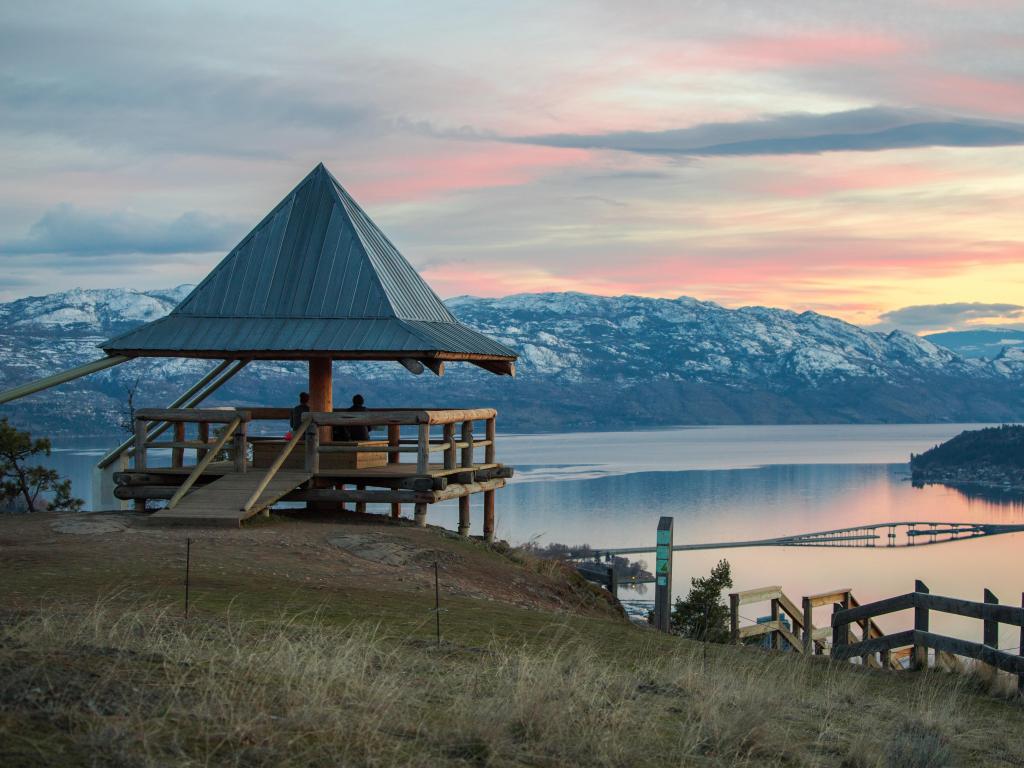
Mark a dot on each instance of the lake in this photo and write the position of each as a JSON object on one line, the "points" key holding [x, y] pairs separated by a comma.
{"points": [[743, 482]]}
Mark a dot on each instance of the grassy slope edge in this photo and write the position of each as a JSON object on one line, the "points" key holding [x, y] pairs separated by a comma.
{"points": [[301, 652]]}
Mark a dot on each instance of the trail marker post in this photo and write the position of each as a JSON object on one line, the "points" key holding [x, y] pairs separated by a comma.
{"points": [[663, 576]]}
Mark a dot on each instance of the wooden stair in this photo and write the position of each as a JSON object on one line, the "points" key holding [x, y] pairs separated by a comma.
{"points": [[220, 503]]}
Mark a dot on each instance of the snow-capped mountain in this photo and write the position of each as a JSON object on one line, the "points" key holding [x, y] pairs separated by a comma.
{"points": [[586, 362]]}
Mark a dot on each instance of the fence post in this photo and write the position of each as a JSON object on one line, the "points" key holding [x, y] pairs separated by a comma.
{"points": [[423, 449], [613, 581], [140, 443], [808, 629], [840, 632], [467, 438], [490, 452], [178, 454], [734, 618], [464, 515], [1020, 652], [312, 450], [394, 435], [990, 631], [449, 451], [776, 635], [204, 437], [663, 576], [241, 447], [919, 659]]}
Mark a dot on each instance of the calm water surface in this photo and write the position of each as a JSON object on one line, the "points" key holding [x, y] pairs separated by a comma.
{"points": [[727, 483]]}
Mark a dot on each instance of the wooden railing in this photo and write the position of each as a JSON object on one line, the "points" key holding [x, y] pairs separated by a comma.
{"points": [[802, 637], [421, 434], [920, 638], [145, 440]]}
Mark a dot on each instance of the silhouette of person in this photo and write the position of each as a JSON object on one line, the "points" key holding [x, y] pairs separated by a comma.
{"points": [[299, 410], [354, 432]]}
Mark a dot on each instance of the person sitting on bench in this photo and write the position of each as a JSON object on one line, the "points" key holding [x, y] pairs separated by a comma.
{"points": [[354, 432]]}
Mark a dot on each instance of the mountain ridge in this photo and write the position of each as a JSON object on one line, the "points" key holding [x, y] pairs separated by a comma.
{"points": [[587, 362]]}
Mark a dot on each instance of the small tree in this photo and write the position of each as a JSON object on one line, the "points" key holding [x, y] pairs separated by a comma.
{"points": [[22, 484], [703, 614]]}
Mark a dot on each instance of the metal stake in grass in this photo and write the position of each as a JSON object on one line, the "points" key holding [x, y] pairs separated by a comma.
{"points": [[437, 602], [188, 568]]}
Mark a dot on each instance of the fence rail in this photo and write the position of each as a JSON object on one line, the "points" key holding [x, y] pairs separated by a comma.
{"points": [[921, 639]]}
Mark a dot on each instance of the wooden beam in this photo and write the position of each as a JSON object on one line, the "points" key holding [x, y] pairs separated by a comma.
{"points": [[491, 433], [177, 453], [423, 449], [758, 595], [62, 378], [212, 415], [321, 390], [920, 658], [394, 436], [464, 515], [489, 514], [272, 470]]}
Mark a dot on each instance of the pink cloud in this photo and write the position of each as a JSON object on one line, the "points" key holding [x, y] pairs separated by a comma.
{"points": [[784, 51], [454, 167], [967, 92]]}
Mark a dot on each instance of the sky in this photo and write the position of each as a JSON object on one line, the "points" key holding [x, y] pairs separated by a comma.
{"points": [[860, 159]]}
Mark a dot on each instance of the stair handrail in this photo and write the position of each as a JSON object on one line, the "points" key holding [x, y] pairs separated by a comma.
{"points": [[272, 470], [226, 435]]}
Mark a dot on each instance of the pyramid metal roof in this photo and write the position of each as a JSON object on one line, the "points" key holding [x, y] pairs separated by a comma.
{"points": [[316, 277]]}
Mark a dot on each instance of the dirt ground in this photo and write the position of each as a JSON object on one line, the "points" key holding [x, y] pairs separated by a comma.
{"points": [[355, 566]]}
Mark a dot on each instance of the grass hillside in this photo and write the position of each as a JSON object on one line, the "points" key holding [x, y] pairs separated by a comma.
{"points": [[313, 643]]}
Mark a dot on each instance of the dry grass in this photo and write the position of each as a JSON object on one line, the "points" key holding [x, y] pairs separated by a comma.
{"points": [[140, 687]]}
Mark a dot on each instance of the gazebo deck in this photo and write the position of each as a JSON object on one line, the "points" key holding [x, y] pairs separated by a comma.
{"points": [[218, 491]]}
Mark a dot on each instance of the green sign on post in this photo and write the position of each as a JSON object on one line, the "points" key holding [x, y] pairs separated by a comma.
{"points": [[663, 576]]}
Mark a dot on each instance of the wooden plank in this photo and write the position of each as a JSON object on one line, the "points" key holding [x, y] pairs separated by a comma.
{"points": [[1003, 614], [759, 595], [212, 415], [879, 608], [368, 418], [177, 444], [1008, 662], [467, 414], [887, 642], [755, 630], [221, 441], [221, 501], [459, 490], [828, 598], [275, 467]]}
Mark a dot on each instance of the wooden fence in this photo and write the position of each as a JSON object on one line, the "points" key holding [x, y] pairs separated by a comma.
{"points": [[801, 636], [920, 639]]}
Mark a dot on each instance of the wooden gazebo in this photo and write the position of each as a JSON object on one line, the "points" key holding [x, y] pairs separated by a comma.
{"points": [[315, 280]]}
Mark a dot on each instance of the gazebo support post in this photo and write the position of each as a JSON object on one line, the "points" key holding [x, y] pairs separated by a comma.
{"points": [[420, 515], [489, 516], [464, 515], [321, 400]]}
